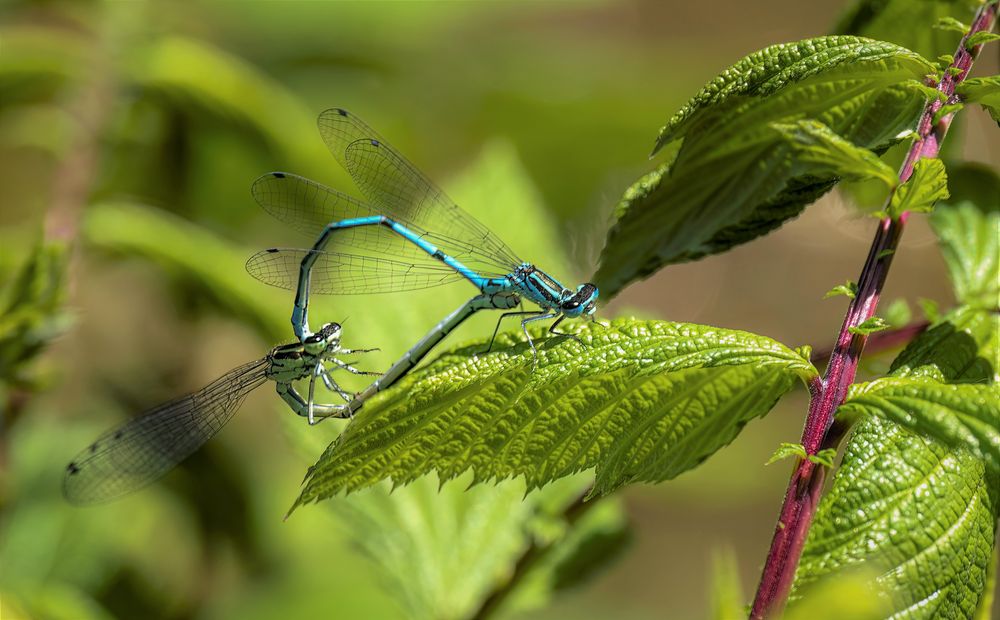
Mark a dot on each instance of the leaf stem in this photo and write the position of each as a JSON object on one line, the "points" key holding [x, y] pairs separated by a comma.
{"points": [[534, 553], [802, 495]]}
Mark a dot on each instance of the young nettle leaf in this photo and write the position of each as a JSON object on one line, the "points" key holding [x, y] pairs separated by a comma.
{"points": [[970, 243], [869, 326], [786, 450], [952, 24], [776, 67], [848, 289], [814, 143], [980, 38], [927, 185], [966, 416], [824, 457], [945, 110], [637, 400], [736, 178], [985, 91]]}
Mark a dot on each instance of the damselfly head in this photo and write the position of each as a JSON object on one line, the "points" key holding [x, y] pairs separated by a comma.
{"points": [[582, 303], [328, 336]]}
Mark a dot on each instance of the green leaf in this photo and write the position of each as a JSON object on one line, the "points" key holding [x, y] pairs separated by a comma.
{"points": [[929, 308], [824, 457], [31, 310], [919, 513], [980, 38], [638, 400], [869, 326], [774, 68], [927, 185], [727, 599], [906, 23], [847, 595], [970, 242], [898, 314], [230, 89], [985, 91], [442, 547], [187, 250], [786, 450], [952, 24], [963, 347], [736, 178], [945, 110], [848, 289], [965, 416], [814, 143]]}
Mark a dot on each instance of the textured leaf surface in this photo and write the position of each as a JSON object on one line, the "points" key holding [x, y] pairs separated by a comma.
{"points": [[736, 178], [920, 513], [955, 415], [970, 242], [773, 68], [638, 401]]}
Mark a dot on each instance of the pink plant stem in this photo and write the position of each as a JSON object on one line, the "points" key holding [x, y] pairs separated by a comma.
{"points": [[802, 495]]}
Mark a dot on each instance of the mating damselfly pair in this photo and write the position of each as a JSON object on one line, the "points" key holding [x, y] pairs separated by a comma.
{"points": [[409, 236]]}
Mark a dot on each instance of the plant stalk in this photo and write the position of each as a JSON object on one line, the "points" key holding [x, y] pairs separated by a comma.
{"points": [[802, 495]]}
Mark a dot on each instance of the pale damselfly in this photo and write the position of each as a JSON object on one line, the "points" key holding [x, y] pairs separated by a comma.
{"points": [[146, 447]]}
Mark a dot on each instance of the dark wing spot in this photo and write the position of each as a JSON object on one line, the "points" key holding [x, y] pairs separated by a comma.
{"points": [[72, 468], [93, 447], [271, 250], [278, 175], [341, 112], [375, 143], [119, 434]]}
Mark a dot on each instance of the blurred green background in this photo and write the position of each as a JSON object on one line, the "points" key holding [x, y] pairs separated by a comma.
{"points": [[132, 132]]}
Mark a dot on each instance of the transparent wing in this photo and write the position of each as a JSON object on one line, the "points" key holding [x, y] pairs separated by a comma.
{"points": [[347, 274], [395, 185], [138, 452], [308, 207]]}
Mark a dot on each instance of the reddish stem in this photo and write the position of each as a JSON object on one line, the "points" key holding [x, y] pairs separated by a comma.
{"points": [[804, 488]]}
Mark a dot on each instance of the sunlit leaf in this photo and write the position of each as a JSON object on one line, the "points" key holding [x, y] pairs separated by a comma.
{"points": [[638, 400], [848, 289], [970, 242], [735, 178], [919, 513], [962, 416], [776, 67], [786, 450]]}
